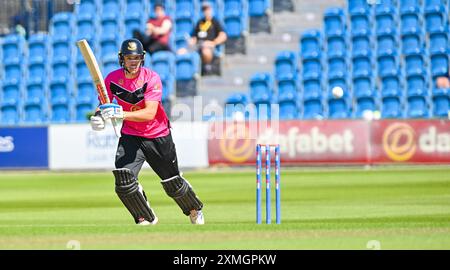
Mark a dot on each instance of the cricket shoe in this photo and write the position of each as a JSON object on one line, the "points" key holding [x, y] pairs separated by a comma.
{"points": [[197, 217], [144, 222]]}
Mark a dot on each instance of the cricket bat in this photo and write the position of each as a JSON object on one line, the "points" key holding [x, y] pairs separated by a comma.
{"points": [[97, 78]]}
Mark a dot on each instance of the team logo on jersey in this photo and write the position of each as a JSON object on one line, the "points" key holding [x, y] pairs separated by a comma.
{"points": [[120, 81], [132, 46]]}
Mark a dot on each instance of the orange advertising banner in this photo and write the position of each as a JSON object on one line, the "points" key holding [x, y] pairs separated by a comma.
{"points": [[332, 142]]}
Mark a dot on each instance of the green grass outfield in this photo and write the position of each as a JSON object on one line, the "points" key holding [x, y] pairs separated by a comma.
{"points": [[401, 208]]}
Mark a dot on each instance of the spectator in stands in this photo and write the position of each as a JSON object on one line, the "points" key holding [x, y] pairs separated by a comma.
{"points": [[443, 82], [207, 35], [157, 33]]}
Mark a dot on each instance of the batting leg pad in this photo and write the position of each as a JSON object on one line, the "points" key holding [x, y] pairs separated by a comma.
{"points": [[181, 191], [132, 195]]}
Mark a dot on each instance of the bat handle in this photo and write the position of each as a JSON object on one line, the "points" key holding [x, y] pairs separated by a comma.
{"points": [[116, 130]]}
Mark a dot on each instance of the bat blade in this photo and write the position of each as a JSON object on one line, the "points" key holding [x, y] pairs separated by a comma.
{"points": [[97, 77]]}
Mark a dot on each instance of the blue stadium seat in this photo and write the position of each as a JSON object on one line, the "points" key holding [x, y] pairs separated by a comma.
{"points": [[418, 106], [313, 109], [388, 64], [82, 70], [13, 48], [441, 102], [13, 70], [410, 20], [86, 92], [363, 86], [312, 67], [362, 65], [439, 64], [109, 46], [12, 91], [110, 64], [439, 41], [137, 7], [334, 19], [38, 45], [9, 114], [285, 63], [261, 88], [386, 20], [381, 4], [163, 63], [83, 110], [417, 82], [434, 3], [133, 21], [412, 42], [168, 85], [361, 45], [287, 87], [111, 5], [311, 43], [37, 70], [187, 66], [184, 24], [392, 107], [86, 26], [181, 41], [365, 104], [86, 7], [355, 6], [61, 111], [414, 62], [35, 113], [407, 5], [235, 6], [60, 90], [360, 22], [391, 85], [436, 18], [62, 49], [288, 110], [111, 26], [235, 25], [62, 24], [258, 8], [337, 67], [61, 68], [235, 106], [187, 71], [387, 44], [186, 8], [312, 89], [336, 46], [338, 108], [36, 90], [341, 81]]}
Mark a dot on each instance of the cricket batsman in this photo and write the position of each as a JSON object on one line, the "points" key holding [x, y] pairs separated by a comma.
{"points": [[145, 136]]}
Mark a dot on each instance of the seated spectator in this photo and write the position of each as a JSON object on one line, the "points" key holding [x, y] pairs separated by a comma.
{"points": [[443, 82], [208, 33], [157, 33]]}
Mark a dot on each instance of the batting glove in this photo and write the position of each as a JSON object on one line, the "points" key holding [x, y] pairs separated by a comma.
{"points": [[97, 122], [111, 110]]}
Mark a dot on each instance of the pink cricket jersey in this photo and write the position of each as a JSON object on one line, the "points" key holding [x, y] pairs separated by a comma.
{"points": [[131, 94]]}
